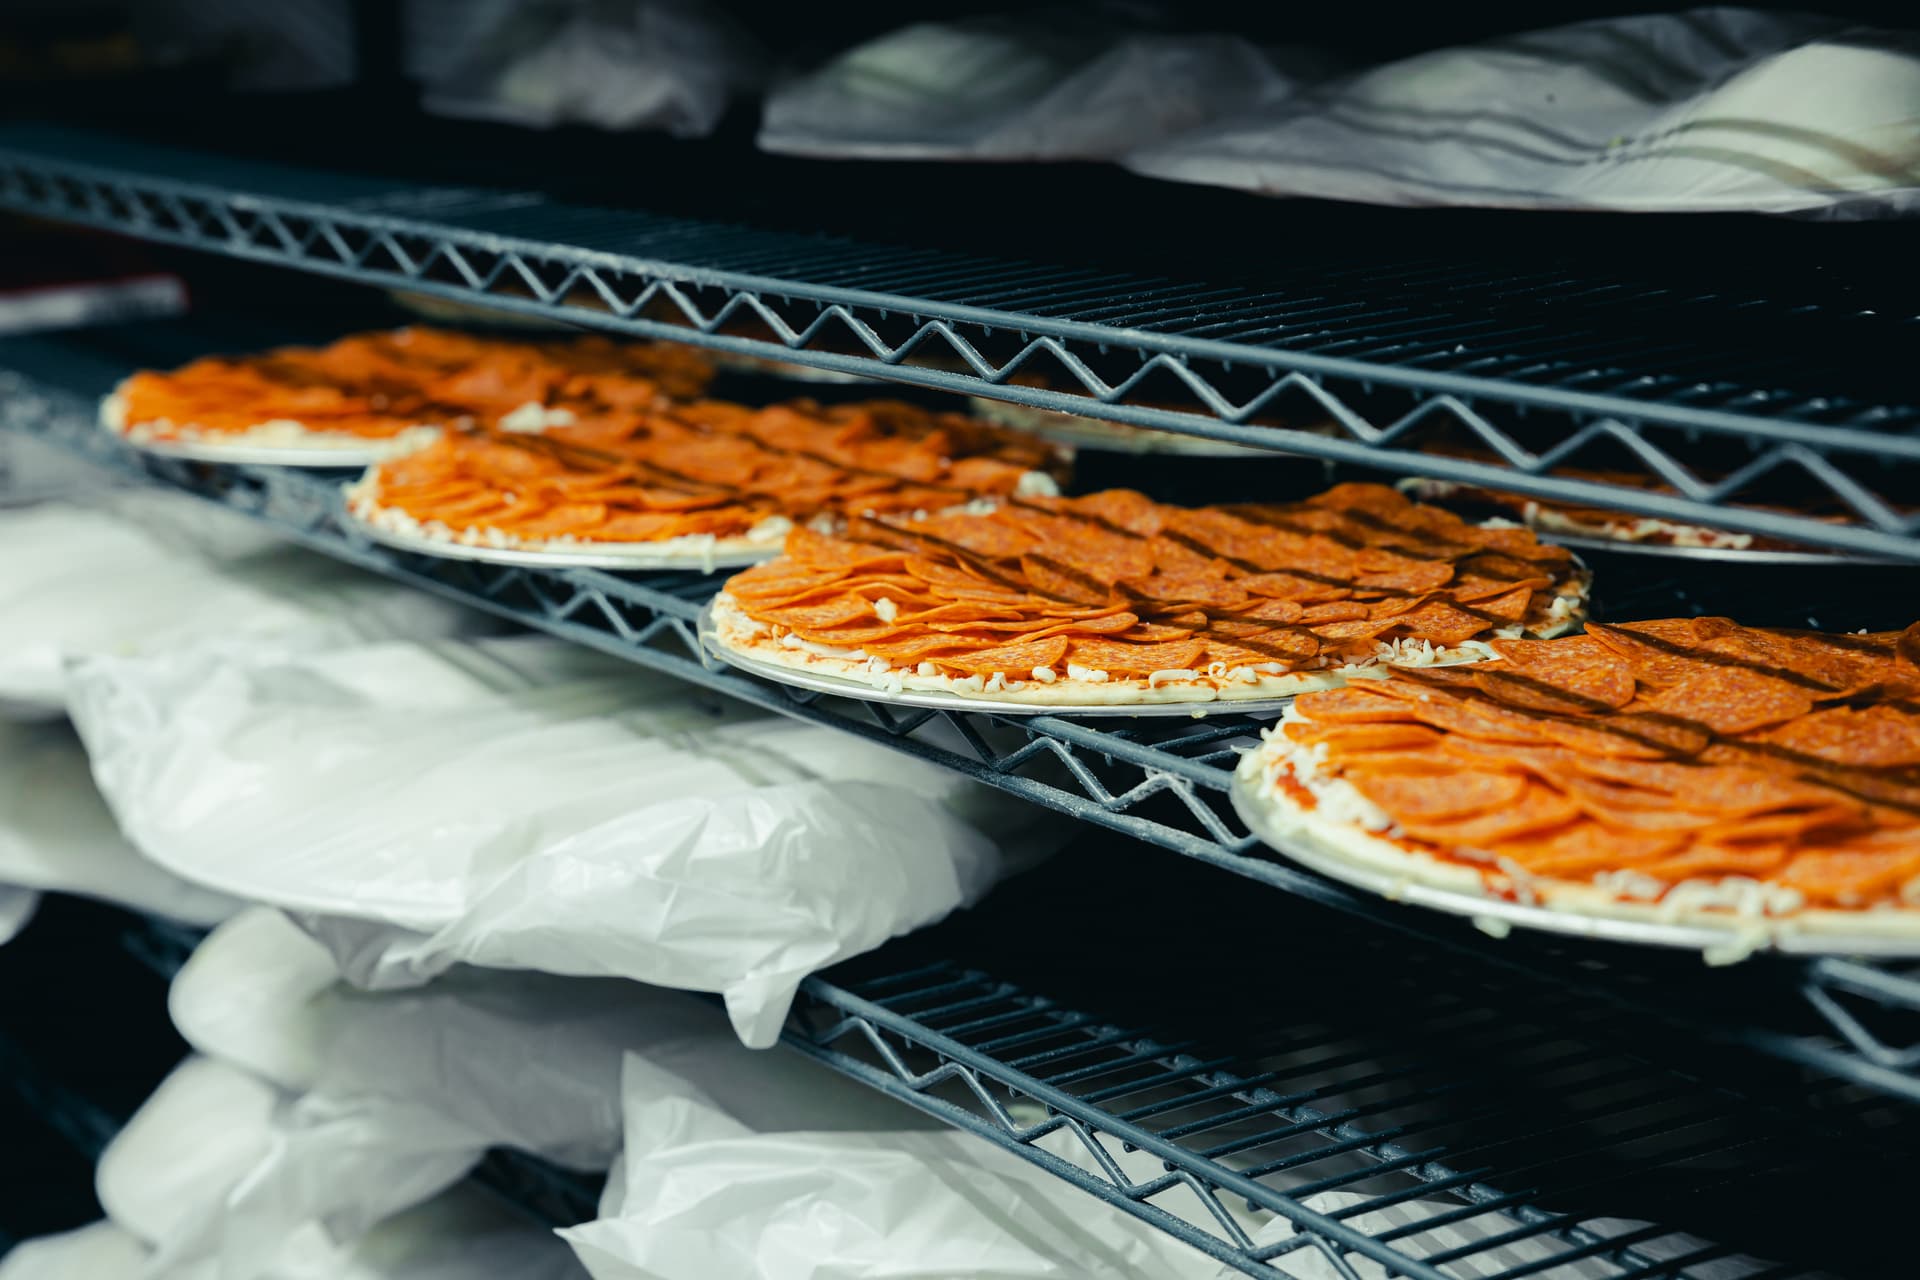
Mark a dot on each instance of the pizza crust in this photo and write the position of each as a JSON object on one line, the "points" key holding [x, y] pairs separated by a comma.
{"points": [[762, 542], [736, 632], [1099, 433], [1546, 518], [1343, 829], [770, 367], [278, 433]]}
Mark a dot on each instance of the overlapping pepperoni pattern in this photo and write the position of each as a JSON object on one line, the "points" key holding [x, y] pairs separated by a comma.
{"points": [[705, 468], [1114, 582], [377, 385], [1677, 750]]}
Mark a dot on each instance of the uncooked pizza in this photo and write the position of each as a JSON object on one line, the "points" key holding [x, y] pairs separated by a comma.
{"points": [[708, 477], [1687, 771], [391, 390], [1114, 599], [1588, 525]]}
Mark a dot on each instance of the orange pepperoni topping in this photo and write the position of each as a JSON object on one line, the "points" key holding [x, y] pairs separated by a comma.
{"points": [[1138, 588], [1677, 749]]}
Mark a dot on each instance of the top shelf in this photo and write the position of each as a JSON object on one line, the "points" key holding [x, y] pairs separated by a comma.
{"points": [[1721, 394]]}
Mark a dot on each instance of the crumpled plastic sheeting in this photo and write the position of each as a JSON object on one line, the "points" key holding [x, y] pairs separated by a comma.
{"points": [[97, 1251], [17, 908], [184, 1169], [672, 65], [1047, 86], [527, 1059], [703, 1191], [519, 803], [1710, 109], [702, 1195], [385, 1098], [56, 833], [33, 469], [123, 572]]}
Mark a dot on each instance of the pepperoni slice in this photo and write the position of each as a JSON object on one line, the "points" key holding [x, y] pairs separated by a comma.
{"points": [[1442, 623], [1347, 740], [1580, 849], [1732, 701], [1536, 808], [1440, 796], [1872, 737], [1016, 660], [1356, 703], [1530, 693], [1122, 659]]}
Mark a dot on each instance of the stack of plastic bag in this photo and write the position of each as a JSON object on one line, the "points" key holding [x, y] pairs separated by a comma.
{"points": [[17, 909], [1709, 109], [194, 1146], [704, 1190], [138, 570], [521, 803], [1068, 84], [321, 1128], [32, 470], [57, 836], [671, 65], [130, 570]]}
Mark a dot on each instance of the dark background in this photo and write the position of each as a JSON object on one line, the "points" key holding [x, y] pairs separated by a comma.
{"points": [[80, 1012]]}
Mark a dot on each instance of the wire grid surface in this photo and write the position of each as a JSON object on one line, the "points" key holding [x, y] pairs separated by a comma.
{"points": [[1164, 784], [1535, 371], [1413, 1117]]}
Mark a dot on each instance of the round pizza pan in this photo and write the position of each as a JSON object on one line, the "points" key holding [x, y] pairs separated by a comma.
{"points": [[942, 701], [1733, 939], [1721, 555], [1111, 437], [622, 556], [330, 457]]}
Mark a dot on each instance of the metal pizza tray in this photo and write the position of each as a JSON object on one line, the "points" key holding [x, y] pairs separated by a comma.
{"points": [[941, 701], [1318, 856], [624, 556]]}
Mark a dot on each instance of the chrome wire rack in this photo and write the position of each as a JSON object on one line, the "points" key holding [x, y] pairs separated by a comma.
{"points": [[1418, 1116], [1678, 403], [1164, 783]]}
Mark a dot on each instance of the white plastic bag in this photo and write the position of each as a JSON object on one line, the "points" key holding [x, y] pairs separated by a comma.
{"points": [[388, 1098], [31, 469], [143, 571], [1055, 85], [17, 908], [186, 1146], [521, 804], [617, 64], [56, 833], [97, 1251], [181, 1185], [704, 1195], [1710, 109], [529, 1059]]}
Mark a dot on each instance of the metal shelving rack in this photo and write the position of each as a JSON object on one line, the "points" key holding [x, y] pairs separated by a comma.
{"points": [[1161, 782], [1540, 370], [1058, 1079], [1468, 1126]]}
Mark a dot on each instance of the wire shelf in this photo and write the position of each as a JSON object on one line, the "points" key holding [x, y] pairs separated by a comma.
{"points": [[1420, 1118], [1366, 363], [1162, 783], [1417, 1116]]}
